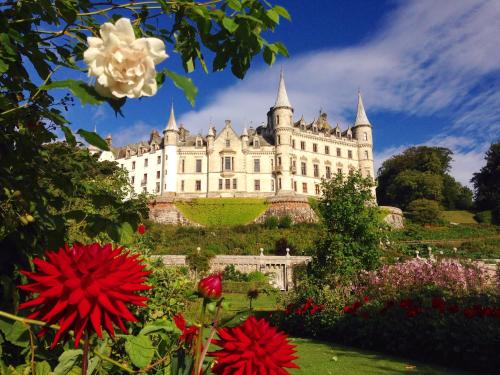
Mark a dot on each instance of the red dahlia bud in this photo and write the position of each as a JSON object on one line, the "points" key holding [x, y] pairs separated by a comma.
{"points": [[141, 229], [211, 286]]}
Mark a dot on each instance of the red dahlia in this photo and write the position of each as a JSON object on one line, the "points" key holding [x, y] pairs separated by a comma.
{"points": [[253, 348], [85, 288], [211, 286], [141, 229], [188, 334]]}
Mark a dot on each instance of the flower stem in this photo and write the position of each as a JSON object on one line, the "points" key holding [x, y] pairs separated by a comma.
{"points": [[197, 364], [85, 355]]}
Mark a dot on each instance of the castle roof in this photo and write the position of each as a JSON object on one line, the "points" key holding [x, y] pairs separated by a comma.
{"points": [[282, 97], [172, 124], [361, 118]]}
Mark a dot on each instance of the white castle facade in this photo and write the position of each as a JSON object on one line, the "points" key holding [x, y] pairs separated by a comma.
{"points": [[284, 157]]}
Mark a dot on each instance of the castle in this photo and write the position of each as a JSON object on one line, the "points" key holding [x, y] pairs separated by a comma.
{"points": [[283, 157]]}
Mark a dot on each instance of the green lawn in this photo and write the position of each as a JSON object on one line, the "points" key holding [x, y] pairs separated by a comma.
{"points": [[222, 211], [316, 357], [460, 217]]}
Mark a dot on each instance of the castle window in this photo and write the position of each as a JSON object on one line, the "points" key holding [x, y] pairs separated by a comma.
{"points": [[272, 164], [256, 165], [315, 147], [272, 185], [228, 163], [182, 185], [366, 154], [183, 165], [303, 169], [157, 174], [157, 187], [256, 142], [228, 143], [256, 185], [132, 180], [339, 153], [327, 150], [328, 172], [302, 145], [235, 183], [146, 162], [220, 183], [304, 187], [316, 189], [198, 185], [198, 143], [133, 165], [158, 160], [279, 183], [198, 165], [279, 160], [228, 183], [339, 170], [144, 179], [277, 120], [349, 154], [279, 140], [293, 143], [316, 170], [365, 136], [295, 186]]}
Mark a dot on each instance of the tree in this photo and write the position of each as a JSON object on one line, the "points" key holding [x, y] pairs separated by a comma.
{"points": [[421, 173], [351, 229], [40, 39], [424, 211], [487, 183]]}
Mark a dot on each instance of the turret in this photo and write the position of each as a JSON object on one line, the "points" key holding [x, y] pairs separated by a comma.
{"points": [[210, 138], [280, 119], [362, 132], [171, 134], [244, 139]]}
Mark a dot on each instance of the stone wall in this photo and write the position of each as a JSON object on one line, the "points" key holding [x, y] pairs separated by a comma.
{"points": [[162, 210], [297, 208]]}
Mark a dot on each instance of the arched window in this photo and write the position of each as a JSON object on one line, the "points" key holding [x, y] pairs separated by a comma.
{"points": [[366, 155], [365, 136]]}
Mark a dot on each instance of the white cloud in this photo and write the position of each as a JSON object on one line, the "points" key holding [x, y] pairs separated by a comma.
{"points": [[428, 58], [130, 134]]}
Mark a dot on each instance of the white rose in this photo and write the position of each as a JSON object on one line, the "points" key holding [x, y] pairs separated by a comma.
{"points": [[123, 65]]}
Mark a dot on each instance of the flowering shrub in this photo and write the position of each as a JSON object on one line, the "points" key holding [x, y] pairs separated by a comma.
{"points": [[449, 276]]}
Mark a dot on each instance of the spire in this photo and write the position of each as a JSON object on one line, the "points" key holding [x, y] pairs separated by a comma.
{"points": [[172, 124], [361, 118], [282, 98], [245, 132]]}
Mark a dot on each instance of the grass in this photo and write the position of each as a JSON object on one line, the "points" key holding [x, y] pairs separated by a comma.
{"points": [[460, 217], [316, 357], [222, 211]]}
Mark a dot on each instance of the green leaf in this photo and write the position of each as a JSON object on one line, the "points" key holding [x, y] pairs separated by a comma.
{"points": [[269, 56], [70, 138], [229, 24], [3, 66], [234, 4], [66, 361], [67, 10], [185, 84], [87, 94], [18, 334], [126, 233], [273, 15], [94, 139], [42, 368], [282, 12], [236, 319], [156, 326], [140, 350]]}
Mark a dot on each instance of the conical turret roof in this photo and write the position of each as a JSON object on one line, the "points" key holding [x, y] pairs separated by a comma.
{"points": [[361, 118], [282, 97], [172, 124]]}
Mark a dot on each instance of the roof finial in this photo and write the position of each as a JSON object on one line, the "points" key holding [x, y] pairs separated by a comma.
{"points": [[361, 118], [282, 98], [172, 124]]}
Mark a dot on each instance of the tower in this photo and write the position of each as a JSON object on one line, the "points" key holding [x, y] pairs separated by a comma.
{"points": [[280, 120], [170, 139], [362, 132]]}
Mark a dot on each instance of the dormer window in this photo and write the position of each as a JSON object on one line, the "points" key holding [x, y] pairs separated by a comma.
{"points": [[228, 142], [256, 142], [199, 142]]}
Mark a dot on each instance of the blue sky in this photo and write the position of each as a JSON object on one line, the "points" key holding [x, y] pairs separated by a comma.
{"points": [[429, 72]]}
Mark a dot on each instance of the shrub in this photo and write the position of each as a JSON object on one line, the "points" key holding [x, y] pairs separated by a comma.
{"points": [[242, 287], [285, 221], [258, 277], [232, 274], [281, 245], [199, 261], [484, 217], [424, 211], [271, 222]]}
